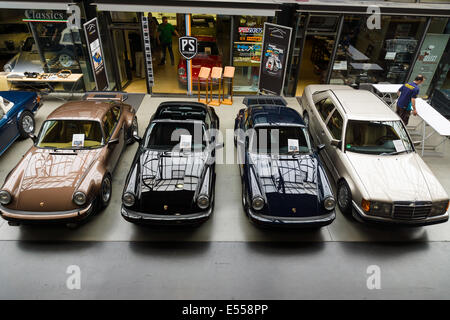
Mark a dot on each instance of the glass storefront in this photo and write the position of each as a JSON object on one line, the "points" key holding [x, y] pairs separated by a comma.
{"points": [[433, 61], [39, 41], [382, 55], [247, 47]]}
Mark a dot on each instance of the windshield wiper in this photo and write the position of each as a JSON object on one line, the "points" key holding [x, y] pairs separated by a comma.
{"points": [[392, 153]]}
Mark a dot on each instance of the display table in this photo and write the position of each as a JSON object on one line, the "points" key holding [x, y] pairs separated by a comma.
{"points": [[434, 119], [356, 54], [387, 91], [73, 79]]}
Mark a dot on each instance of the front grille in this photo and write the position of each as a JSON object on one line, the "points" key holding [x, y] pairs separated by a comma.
{"points": [[411, 210]]}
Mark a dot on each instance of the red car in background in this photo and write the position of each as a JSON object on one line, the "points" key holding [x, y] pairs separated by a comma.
{"points": [[208, 56]]}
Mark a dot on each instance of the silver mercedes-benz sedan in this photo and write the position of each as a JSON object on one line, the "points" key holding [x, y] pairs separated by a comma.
{"points": [[372, 158]]}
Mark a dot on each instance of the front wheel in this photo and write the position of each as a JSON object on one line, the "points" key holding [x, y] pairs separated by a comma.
{"points": [[134, 130], [26, 124], [105, 191], [344, 197]]}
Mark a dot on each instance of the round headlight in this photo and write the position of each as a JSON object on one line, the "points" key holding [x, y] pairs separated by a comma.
{"points": [[258, 203], [7, 68], [128, 199], [79, 198], [5, 197], [203, 201], [329, 203], [181, 71]]}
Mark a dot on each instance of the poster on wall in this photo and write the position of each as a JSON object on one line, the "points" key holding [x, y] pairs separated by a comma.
{"points": [[96, 53], [276, 43], [429, 57]]}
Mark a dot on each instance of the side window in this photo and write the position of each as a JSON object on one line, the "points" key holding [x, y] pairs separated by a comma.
{"points": [[325, 107], [2, 113], [109, 122], [335, 125], [116, 112], [208, 120]]}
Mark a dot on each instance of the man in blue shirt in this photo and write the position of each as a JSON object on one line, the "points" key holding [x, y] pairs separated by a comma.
{"points": [[407, 98]]}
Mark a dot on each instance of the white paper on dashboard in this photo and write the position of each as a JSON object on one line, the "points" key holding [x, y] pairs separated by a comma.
{"points": [[78, 140], [293, 145], [399, 146], [390, 55], [185, 141]]}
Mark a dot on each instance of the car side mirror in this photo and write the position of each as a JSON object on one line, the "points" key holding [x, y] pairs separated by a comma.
{"points": [[320, 147], [32, 137], [113, 142], [336, 143], [220, 145], [417, 143], [137, 138]]}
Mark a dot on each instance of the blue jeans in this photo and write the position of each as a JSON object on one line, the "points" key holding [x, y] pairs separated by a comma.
{"points": [[169, 47]]}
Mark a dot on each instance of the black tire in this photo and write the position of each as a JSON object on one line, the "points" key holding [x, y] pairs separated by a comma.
{"points": [[344, 197], [134, 127], [104, 196], [26, 124]]}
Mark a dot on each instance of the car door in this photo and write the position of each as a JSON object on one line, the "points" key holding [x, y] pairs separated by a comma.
{"points": [[8, 125], [323, 107], [114, 136], [335, 131]]}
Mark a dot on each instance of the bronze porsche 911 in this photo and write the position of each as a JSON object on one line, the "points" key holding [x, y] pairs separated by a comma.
{"points": [[66, 174]]}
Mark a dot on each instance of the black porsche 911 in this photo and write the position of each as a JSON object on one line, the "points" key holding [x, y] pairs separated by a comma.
{"points": [[172, 177], [283, 181]]}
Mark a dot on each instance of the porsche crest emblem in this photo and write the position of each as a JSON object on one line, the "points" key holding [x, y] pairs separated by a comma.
{"points": [[166, 207], [294, 210], [42, 204]]}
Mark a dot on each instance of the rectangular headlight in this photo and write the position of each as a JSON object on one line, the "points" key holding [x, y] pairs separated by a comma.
{"points": [[381, 209], [439, 208]]}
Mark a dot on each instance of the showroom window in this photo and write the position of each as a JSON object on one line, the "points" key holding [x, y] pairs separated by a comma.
{"points": [[433, 61], [247, 47], [382, 55], [37, 41]]}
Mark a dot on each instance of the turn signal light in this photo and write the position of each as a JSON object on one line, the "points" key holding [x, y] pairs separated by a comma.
{"points": [[365, 205]]}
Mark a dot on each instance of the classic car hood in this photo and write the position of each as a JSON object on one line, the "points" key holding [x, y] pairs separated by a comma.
{"points": [[392, 178], [289, 184], [50, 178], [170, 179], [28, 62], [204, 61]]}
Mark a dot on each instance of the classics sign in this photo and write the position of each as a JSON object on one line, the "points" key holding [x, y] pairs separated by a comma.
{"points": [[188, 47]]}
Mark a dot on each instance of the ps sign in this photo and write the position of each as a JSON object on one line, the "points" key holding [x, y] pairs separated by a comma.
{"points": [[188, 47]]}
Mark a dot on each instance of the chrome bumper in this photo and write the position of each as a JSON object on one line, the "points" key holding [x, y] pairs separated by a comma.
{"points": [[19, 215], [315, 221], [418, 222], [148, 218]]}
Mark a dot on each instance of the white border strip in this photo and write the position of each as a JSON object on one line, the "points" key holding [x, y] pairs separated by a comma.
{"points": [[173, 9], [33, 5]]}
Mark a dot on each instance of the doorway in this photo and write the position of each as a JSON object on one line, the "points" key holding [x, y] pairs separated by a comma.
{"points": [[127, 44], [316, 54]]}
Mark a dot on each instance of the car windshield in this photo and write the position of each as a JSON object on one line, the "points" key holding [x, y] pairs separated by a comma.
{"points": [[377, 137], [68, 134], [176, 136], [281, 140]]}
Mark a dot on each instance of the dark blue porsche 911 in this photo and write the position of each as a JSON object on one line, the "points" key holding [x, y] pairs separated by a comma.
{"points": [[17, 110], [283, 180]]}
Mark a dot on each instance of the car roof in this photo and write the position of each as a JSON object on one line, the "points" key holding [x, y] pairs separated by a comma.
{"points": [[363, 105], [181, 110], [88, 110], [271, 114]]}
